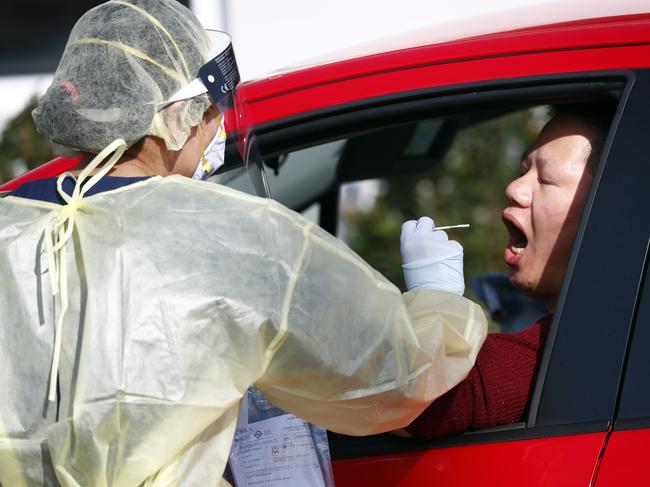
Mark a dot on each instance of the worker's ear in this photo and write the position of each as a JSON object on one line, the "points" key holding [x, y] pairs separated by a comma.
{"points": [[174, 123]]}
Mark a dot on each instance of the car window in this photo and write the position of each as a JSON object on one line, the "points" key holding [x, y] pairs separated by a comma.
{"points": [[370, 166], [296, 179], [452, 168], [455, 170]]}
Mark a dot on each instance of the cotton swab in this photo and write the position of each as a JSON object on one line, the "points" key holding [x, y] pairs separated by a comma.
{"points": [[463, 225]]}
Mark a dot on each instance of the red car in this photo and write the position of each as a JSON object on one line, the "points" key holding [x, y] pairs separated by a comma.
{"points": [[383, 115]]}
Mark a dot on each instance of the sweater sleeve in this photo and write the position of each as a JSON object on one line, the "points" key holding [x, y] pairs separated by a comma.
{"points": [[495, 391]]}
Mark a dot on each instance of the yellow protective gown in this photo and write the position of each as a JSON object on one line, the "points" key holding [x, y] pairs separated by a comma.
{"points": [[180, 294]]}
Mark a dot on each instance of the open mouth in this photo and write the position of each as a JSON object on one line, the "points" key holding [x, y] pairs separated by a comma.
{"points": [[518, 240]]}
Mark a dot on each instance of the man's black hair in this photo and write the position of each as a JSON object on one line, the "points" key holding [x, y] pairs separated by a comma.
{"points": [[597, 115]]}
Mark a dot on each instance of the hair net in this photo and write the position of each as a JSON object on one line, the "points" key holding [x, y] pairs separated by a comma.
{"points": [[122, 59]]}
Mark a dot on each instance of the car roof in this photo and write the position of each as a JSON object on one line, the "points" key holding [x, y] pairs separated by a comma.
{"points": [[587, 35], [457, 23], [584, 33]]}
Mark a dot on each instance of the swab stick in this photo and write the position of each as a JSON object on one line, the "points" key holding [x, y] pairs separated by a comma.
{"points": [[462, 225]]}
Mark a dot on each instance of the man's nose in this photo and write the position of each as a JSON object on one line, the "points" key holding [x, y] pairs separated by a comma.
{"points": [[519, 192]]}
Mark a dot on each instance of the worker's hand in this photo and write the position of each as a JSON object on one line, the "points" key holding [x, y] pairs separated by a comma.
{"points": [[429, 259]]}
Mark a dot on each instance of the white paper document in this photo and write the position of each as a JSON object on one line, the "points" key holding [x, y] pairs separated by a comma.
{"points": [[275, 452]]}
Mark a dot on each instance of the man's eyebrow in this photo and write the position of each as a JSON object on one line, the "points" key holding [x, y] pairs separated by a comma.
{"points": [[540, 160]]}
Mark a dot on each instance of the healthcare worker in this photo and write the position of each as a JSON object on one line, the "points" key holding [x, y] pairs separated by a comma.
{"points": [[137, 309]]}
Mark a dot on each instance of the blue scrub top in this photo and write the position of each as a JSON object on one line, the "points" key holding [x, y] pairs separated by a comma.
{"points": [[45, 189]]}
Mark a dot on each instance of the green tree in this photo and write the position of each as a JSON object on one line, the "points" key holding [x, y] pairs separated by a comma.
{"points": [[21, 146]]}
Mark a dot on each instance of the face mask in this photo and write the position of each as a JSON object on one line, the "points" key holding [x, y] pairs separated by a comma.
{"points": [[213, 155]]}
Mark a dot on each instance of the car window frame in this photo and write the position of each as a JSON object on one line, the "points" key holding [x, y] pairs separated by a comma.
{"points": [[301, 131], [633, 407], [586, 266], [633, 402]]}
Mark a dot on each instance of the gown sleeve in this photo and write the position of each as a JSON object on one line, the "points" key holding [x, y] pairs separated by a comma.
{"points": [[353, 354], [495, 392]]}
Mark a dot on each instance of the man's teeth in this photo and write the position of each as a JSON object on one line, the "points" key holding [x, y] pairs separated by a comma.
{"points": [[516, 250]]}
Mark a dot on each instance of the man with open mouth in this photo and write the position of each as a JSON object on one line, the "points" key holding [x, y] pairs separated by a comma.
{"points": [[545, 203], [542, 216]]}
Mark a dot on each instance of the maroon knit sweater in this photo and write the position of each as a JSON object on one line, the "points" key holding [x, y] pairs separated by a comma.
{"points": [[496, 389]]}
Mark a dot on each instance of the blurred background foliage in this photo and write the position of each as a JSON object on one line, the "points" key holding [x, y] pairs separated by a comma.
{"points": [[466, 186], [21, 147]]}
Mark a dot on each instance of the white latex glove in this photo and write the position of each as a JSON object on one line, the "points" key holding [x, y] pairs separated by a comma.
{"points": [[429, 259]]}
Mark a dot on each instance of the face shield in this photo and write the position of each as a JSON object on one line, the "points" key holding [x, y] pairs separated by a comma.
{"points": [[219, 78]]}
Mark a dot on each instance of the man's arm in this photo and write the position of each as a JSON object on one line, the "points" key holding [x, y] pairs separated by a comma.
{"points": [[495, 392]]}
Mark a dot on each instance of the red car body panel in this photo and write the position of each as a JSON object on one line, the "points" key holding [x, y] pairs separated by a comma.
{"points": [[588, 34], [626, 459], [565, 460], [51, 169], [521, 53], [438, 75]]}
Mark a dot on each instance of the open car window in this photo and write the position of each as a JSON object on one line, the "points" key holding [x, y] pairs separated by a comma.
{"points": [[361, 173], [455, 170]]}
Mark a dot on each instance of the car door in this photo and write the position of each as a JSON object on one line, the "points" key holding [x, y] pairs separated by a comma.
{"points": [[624, 461], [574, 401]]}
